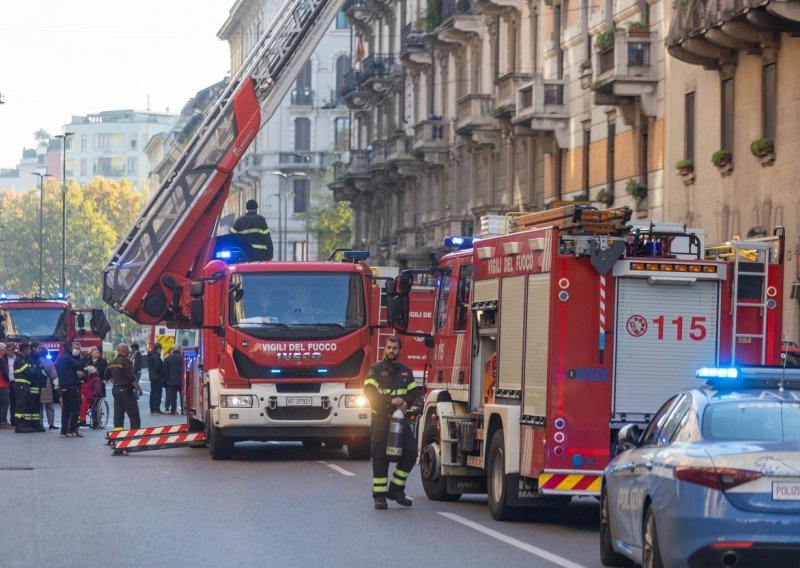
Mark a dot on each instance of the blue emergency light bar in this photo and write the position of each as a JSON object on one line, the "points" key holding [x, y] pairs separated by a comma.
{"points": [[356, 255], [223, 254], [717, 373], [459, 243], [322, 371], [750, 376]]}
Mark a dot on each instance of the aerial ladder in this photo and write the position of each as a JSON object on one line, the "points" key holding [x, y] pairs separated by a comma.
{"points": [[147, 277]]}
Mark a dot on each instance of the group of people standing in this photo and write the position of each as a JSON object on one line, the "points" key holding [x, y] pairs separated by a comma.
{"points": [[165, 375], [30, 382]]}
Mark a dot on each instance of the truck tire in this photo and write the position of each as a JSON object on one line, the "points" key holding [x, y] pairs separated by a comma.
{"points": [[497, 482], [433, 482], [358, 448], [220, 447]]}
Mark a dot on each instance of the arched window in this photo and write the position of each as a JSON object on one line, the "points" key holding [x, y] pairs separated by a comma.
{"points": [[302, 94], [342, 69]]}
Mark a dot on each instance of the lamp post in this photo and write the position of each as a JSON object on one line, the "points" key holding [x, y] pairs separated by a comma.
{"points": [[41, 227], [280, 233], [63, 283]]}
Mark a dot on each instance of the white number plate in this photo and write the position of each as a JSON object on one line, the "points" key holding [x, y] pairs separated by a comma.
{"points": [[298, 401], [786, 490]]}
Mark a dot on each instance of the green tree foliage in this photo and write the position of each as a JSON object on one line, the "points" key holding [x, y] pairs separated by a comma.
{"points": [[331, 222], [98, 217]]}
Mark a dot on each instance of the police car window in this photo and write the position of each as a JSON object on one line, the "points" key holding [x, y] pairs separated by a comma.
{"points": [[444, 295], [760, 421], [651, 433], [673, 421], [791, 422]]}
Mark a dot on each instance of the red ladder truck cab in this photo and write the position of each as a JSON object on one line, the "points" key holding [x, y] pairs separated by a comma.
{"points": [[51, 322], [548, 340]]}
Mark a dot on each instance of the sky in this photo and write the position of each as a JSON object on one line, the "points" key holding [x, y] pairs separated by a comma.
{"points": [[60, 58]]}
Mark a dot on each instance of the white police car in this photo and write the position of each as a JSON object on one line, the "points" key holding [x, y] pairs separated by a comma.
{"points": [[714, 480]]}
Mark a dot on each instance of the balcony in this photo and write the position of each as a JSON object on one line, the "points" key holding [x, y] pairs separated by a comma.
{"points": [[499, 7], [626, 72], [432, 140], [377, 76], [352, 178], [360, 13], [506, 88], [301, 161], [476, 117], [302, 97], [541, 107], [414, 52], [711, 33], [457, 22]]}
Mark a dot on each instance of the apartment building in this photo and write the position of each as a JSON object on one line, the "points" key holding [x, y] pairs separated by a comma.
{"points": [[111, 144], [287, 165]]}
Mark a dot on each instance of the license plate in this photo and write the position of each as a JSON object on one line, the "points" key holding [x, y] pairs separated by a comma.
{"points": [[786, 490], [298, 401]]}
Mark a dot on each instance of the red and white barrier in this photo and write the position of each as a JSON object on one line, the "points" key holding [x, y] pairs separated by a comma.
{"points": [[143, 432], [160, 442]]}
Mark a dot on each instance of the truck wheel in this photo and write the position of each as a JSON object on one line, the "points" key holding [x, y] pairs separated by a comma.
{"points": [[221, 448], [358, 448], [433, 482], [497, 482]]}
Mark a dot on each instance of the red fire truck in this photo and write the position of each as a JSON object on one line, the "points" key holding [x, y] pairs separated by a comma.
{"points": [[282, 346], [50, 322], [546, 341]]}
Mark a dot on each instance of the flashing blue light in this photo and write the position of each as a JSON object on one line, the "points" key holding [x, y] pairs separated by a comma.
{"points": [[717, 373], [356, 255], [322, 371], [223, 254], [3, 296], [459, 243], [60, 295], [275, 371]]}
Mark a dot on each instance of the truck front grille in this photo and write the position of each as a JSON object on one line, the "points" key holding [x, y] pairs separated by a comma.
{"points": [[302, 413]]}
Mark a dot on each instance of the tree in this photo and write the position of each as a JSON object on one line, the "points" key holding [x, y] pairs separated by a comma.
{"points": [[331, 221], [41, 135]]}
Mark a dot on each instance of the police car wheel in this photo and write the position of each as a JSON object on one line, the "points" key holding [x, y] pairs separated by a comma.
{"points": [[607, 554]]}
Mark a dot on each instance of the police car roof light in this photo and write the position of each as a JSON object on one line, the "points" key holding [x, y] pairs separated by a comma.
{"points": [[356, 255], [750, 377], [223, 254], [459, 243], [717, 373]]}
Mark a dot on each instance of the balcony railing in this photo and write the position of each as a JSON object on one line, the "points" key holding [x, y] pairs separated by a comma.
{"points": [[305, 160], [450, 8], [302, 97], [371, 68], [475, 111], [411, 38], [357, 167], [629, 57], [541, 107]]}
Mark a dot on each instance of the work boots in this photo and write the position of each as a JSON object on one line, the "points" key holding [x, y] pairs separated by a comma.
{"points": [[380, 502], [37, 427], [400, 497], [22, 427]]}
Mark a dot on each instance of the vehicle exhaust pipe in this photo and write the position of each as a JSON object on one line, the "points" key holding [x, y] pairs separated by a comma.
{"points": [[730, 559]]}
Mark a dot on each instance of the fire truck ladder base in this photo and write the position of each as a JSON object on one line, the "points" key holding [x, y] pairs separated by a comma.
{"points": [[750, 261], [159, 442]]}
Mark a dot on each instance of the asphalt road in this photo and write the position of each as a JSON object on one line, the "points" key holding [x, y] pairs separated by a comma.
{"points": [[68, 502]]}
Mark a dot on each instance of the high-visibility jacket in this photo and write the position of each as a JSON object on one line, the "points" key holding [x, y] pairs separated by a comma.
{"points": [[253, 227], [386, 380]]}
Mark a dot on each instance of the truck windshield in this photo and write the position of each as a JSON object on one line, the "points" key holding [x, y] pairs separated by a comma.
{"points": [[322, 303], [35, 323]]}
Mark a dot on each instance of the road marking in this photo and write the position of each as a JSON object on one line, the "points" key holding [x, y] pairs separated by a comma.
{"points": [[540, 552], [337, 468]]}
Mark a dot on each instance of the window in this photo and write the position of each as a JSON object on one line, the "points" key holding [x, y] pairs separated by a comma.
{"points": [[752, 421], [342, 69], [133, 144], [612, 136], [341, 134], [131, 165], [726, 118], [302, 94], [302, 134], [302, 188], [644, 148], [104, 141], [84, 142], [463, 295], [587, 141], [441, 301], [650, 436], [769, 100], [688, 126], [342, 23]]}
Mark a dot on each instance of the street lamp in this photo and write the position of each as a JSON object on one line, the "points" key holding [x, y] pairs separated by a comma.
{"points": [[280, 233], [41, 227], [285, 194], [63, 283]]}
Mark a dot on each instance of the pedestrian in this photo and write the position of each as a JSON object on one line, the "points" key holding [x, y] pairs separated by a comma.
{"points": [[253, 227], [155, 371], [91, 389], [390, 385], [173, 376], [136, 359], [69, 367], [95, 359], [9, 357], [123, 386], [24, 380], [5, 386], [47, 392]]}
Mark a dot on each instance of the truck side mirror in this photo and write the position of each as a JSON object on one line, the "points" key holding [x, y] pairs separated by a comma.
{"points": [[402, 285], [397, 312], [196, 311], [196, 289], [99, 324], [81, 321], [629, 436]]}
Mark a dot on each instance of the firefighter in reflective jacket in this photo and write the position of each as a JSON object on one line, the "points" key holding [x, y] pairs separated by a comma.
{"points": [[390, 385], [24, 379], [123, 382], [255, 231]]}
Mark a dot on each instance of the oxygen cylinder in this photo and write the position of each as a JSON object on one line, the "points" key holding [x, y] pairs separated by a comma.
{"points": [[394, 446]]}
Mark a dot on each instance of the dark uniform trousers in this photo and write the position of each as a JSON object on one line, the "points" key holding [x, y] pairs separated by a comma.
{"points": [[386, 380], [25, 382], [70, 408], [22, 395], [125, 401]]}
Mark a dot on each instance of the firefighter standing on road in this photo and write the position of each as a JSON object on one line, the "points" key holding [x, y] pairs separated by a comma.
{"points": [[24, 379], [123, 383], [390, 385], [255, 230]]}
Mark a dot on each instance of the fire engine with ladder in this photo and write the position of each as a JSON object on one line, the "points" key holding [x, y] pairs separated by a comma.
{"points": [[549, 339], [282, 346]]}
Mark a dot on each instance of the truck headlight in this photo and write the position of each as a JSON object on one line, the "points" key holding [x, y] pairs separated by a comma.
{"points": [[355, 401], [236, 401]]}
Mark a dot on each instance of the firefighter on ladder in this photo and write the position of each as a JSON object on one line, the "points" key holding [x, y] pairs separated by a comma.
{"points": [[390, 385], [123, 382], [255, 231]]}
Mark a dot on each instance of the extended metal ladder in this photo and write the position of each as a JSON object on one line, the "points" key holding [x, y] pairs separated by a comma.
{"points": [[191, 196], [751, 264]]}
